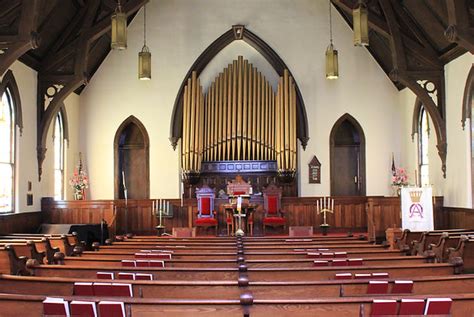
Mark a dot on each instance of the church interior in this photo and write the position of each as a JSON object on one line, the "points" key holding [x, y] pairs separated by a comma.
{"points": [[240, 158]]}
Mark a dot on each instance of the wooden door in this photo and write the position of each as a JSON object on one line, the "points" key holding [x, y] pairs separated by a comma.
{"points": [[132, 160], [347, 158], [346, 165]]}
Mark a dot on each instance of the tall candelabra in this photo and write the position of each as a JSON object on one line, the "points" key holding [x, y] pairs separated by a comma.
{"points": [[323, 206], [160, 208]]}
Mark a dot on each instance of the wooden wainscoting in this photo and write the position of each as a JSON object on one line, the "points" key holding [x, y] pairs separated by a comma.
{"points": [[458, 217], [372, 214], [22, 222], [79, 212]]}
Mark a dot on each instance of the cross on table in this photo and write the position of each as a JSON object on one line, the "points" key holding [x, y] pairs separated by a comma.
{"points": [[239, 215]]}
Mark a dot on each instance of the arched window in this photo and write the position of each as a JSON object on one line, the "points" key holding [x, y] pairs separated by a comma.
{"points": [[423, 147], [58, 139], [7, 152]]}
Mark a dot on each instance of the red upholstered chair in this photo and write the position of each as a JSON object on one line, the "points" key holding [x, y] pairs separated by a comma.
{"points": [[272, 206], [206, 216], [229, 220]]}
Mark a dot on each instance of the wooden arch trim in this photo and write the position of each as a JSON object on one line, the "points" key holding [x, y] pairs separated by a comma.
{"points": [[146, 142], [237, 32], [415, 119], [467, 98], [358, 127], [9, 82], [63, 113]]}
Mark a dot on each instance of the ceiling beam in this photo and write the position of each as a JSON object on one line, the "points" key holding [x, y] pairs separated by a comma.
{"points": [[411, 79], [78, 49], [25, 39], [460, 30]]}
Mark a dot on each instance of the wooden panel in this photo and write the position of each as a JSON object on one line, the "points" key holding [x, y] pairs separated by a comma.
{"points": [[79, 211], [385, 212], [351, 213], [24, 222], [457, 217]]}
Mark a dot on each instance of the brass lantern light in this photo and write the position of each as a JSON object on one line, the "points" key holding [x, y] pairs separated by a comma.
{"points": [[144, 57], [360, 15], [119, 29], [332, 64]]}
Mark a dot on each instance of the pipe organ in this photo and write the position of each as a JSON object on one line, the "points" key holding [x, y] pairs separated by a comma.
{"points": [[240, 118]]}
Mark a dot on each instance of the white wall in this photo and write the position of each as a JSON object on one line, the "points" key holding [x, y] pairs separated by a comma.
{"points": [[456, 188], [179, 31], [71, 150], [26, 164], [26, 161]]}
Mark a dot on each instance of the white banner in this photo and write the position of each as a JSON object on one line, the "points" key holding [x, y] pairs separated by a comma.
{"points": [[417, 208]]}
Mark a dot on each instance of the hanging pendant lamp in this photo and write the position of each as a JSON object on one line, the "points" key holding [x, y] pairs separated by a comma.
{"points": [[119, 29], [144, 57], [360, 15], [332, 63]]}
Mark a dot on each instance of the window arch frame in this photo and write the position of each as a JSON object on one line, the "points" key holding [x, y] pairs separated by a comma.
{"points": [[9, 87], [419, 113], [59, 162]]}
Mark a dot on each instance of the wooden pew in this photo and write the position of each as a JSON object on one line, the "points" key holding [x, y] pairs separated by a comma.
{"points": [[60, 286], [427, 238], [42, 246], [254, 274], [212, 248], [188, 254], [72, 238], [297, 243], [27, 249], [465, 250], [404, 243], [248, 238], [106, 261], [15, 305], [445, 243], [10, 263]]}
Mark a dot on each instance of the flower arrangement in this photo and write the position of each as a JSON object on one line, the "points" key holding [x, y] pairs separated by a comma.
{"points": [[400, 177], [79, 181]]}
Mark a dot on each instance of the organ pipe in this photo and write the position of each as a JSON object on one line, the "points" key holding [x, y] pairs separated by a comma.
{"points": [[239, 118]]}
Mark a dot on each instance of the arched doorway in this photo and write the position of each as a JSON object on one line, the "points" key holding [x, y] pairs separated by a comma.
{"points": [[347, 155], [131, 160]]}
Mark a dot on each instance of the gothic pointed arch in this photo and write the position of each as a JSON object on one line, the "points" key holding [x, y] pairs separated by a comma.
{"points": [[9, 82], [132, 160], [468, 97], [237, 32], [347, 157]]}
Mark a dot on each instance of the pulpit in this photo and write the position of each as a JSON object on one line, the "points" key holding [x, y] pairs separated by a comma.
{"points": [[239, 206], [206, 216], [239, 188], [272, 206]]}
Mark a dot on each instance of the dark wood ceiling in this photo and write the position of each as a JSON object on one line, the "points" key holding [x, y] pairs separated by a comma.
{"points": [[422, 25]]}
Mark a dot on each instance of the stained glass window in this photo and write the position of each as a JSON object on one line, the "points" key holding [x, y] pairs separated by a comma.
{"points": [[423, 160], [58, 157], [7, 152]]}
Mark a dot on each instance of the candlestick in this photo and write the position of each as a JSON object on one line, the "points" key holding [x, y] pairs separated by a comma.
{"points": [[332, 204], [167, 207], [182, 194], [317, 205], [152, 207]]}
